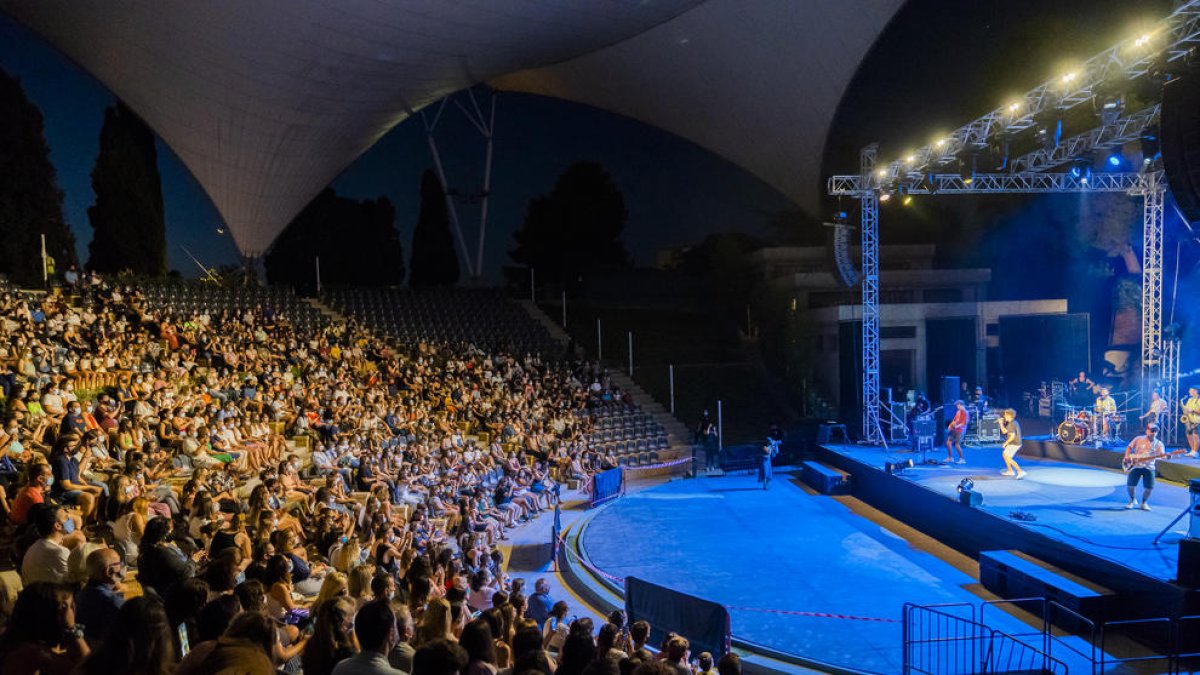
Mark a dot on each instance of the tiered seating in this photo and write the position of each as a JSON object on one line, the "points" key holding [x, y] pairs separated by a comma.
{"points": [[630, 434], [194, 298], [485, 317]]}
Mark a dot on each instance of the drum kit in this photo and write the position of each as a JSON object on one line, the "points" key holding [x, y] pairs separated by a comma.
{"points": [[1081, 425]]}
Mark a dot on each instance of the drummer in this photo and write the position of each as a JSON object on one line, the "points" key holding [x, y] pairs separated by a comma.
{"points": [[979, 401], [1106, 409]]}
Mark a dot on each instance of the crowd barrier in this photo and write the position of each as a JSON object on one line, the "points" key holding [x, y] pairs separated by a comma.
{"points": [[705, 623], [607, 485]]}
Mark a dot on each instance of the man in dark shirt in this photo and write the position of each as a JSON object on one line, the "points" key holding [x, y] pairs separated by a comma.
{"points": [[73, 422], [96, 605], [69, 488]]}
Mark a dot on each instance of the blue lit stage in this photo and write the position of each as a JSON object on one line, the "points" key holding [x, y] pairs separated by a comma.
{"points": [[727, 540]]}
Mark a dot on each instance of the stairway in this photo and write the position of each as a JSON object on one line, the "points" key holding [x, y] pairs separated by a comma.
{"points": [[321, 307], [678, 434]]}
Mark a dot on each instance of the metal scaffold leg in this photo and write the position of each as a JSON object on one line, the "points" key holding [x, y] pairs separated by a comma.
{"points": [[1153, 193], [871, 430]]}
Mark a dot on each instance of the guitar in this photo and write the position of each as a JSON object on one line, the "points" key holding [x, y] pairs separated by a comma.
{"points": [[1131, 462]]}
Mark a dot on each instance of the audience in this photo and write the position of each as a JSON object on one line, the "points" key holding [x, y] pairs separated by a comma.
{"points": [[259, 489]]}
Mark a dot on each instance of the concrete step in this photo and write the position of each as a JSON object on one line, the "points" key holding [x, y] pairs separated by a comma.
{"points": [[321, 307]]}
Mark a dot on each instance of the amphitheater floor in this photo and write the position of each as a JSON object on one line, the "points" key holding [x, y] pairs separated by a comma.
{"points": [[784, 561]]}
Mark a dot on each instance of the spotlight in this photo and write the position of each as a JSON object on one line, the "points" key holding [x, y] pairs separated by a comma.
{"points": [[1014, 106], [884, 196], [892, 468], [1114, 160], [1049, 129], [967, 496], [882, 173], [1070, 77], [1082, 169], [907, 200]]}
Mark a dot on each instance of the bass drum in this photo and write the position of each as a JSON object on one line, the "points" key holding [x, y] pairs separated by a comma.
{"points": [[1072, 432]]}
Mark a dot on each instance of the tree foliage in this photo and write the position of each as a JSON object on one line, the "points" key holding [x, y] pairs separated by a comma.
{"points": [[434, 262], [356, 240], [576, 228], [129, 228], [30, 200]]}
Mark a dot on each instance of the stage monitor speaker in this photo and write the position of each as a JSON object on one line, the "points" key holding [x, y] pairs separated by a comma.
{"points": [[1180, 141], [951, 391], [970, 498], [1188, 572]]}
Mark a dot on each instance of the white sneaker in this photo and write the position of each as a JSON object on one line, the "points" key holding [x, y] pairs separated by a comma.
{"points": [[961, 461], [1131, 505], [1007, 473], [1145, 506], [1190, 454], [1021, 475]]}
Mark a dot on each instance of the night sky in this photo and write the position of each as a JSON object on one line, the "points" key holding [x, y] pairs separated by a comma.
{"points": [[938, 65]]}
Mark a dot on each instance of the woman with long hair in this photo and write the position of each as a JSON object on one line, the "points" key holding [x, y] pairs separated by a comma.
{"points": [[435, 624], [481, 650], [333, 637], [335, 585], [42, 636], [138, 642]]}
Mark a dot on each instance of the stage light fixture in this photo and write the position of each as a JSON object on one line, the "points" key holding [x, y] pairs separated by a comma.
{"points": [[893, 468], [1114, 160], [1081, 168], [907, 200], [1070, 77], [1014, 106], [885, 196], [967, 496]]}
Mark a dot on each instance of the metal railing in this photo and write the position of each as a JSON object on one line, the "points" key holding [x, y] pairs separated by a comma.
{"points": [[939, 642]]}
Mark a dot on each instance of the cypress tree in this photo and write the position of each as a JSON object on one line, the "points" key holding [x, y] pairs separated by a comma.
{"points": [[129, 229], [30, 199]]}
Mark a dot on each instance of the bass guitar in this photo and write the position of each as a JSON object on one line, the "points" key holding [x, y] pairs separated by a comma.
{"points": [[1132, 461]]}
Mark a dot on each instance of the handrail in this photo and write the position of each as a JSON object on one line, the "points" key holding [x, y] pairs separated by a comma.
{"points": [[1169, 656], [1053, 639]]}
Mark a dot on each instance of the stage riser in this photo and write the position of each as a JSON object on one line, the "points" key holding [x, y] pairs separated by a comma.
{"points": [[1039, 448], [971, 530]]}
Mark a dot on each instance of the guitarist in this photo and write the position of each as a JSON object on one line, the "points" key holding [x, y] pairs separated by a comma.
{"points": [[1142, 452], [1191, 420]]}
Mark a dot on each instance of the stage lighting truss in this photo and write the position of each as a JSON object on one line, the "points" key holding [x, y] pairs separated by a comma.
{"points": [[1169, 41]]}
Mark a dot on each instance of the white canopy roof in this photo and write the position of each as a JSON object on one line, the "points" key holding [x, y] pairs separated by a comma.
{"points": [[266, 101]]}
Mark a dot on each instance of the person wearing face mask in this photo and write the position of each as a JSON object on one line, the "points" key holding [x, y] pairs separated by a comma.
{"points": [[36, 484], [97, 603], [48, 559]]}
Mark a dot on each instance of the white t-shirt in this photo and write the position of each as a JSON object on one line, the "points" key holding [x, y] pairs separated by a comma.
{"points": [[45, 561], [1144, 446]]}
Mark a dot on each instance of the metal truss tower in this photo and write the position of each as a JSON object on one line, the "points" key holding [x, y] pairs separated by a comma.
{"points": [[872, 432], [1153, 192]]}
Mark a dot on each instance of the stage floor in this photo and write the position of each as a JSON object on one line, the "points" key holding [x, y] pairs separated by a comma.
{"points": [[1082, 506], [727, 540]]}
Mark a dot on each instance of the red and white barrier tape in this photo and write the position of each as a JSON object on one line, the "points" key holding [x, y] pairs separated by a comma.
{"points": [[661, 465], [821, 615]]}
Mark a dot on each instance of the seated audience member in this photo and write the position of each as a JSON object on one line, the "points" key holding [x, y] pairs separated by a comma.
{"points": [[440, 657], [41, 636], [375, 628], [47, 559], [98, 602], [139, 641], [246, 648]]}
